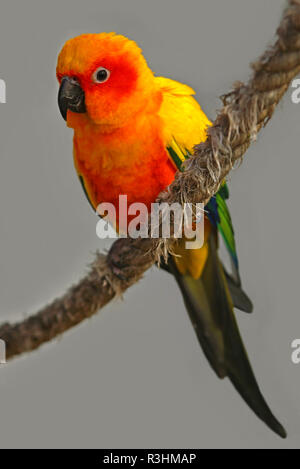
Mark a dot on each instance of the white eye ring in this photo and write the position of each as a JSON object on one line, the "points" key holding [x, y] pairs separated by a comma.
{"points": [[101, 75]]}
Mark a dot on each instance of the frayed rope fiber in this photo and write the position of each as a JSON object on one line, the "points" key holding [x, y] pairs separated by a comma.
{"points": [[245, 111]]}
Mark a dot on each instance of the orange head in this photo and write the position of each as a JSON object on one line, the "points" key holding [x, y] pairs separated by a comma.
{"points": [[103, 78]]}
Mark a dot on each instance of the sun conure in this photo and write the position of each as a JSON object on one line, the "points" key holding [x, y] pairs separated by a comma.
{"points": [[132, 131]]}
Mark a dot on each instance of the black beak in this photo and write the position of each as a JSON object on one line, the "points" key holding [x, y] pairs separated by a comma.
{"points": [[70, 96]]}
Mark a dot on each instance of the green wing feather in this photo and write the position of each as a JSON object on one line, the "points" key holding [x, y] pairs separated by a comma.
{"points": [[225, 224]]}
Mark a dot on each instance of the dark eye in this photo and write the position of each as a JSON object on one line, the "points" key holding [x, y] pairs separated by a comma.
{"points": [[101, 75]]}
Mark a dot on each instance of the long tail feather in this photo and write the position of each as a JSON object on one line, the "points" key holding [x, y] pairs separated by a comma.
{"points": [[210, 308]]}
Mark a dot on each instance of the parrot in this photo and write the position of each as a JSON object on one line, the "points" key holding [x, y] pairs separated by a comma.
{"points": [[132, 131]]}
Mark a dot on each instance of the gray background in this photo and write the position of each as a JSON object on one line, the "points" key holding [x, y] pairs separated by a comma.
{"points": [[134, 375]]}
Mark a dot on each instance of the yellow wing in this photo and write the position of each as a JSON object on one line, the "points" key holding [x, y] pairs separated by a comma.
{"points": [[184, 125], [184, 122]]}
